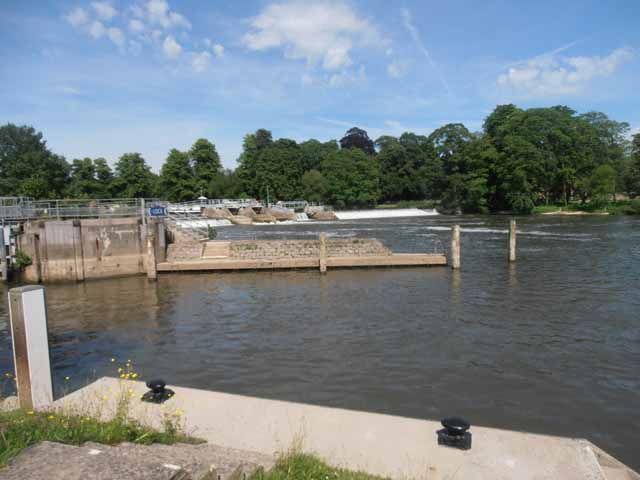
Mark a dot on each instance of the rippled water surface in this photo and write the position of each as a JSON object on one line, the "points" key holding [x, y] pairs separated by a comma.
{"points": [[551, 344]]}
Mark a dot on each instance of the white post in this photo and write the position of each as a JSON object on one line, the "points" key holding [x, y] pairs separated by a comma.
{"points": [[143, 213], [323, 252], [455, 247], [4, 267], [512, 241], [29, 335]]}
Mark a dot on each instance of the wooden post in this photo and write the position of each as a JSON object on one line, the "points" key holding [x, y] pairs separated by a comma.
{"points": [[4, 267], [512, 241], [323, 252], [152, 272], [455, 247], [29, 334]]}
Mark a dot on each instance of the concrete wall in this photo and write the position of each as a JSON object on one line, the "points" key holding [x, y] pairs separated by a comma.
{"points": [[267, 249], [75, 250]]}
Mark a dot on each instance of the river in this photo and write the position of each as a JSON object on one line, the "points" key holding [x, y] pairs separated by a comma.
{"points": [[550, 344]]}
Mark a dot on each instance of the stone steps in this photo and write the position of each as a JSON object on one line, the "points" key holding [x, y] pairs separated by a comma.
{"points": [[216, 249], [91, 461]]}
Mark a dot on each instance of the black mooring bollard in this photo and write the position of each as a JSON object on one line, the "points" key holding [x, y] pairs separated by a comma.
{"points": [[455, 434], [157, 393]]}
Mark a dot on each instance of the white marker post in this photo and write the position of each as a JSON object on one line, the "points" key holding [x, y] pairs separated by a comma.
{"points": [[455, 247], [29, 334]]}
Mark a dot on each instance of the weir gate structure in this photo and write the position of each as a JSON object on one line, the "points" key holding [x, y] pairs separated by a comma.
{"points": [[77, 240]]}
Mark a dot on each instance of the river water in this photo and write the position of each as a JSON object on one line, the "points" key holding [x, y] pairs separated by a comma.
{"points": [[550, 344]]}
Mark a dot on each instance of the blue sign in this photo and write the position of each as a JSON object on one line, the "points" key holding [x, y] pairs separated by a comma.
{"points": [[157, 212]]}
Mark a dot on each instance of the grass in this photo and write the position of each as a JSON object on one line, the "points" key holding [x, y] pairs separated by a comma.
{"points": [[19, 429], [300, 466], [624, 207]]}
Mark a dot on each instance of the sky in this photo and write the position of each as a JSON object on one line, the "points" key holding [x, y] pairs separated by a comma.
{"points": [[103, 78]]}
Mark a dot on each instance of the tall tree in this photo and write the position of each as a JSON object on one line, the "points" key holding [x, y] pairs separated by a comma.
{"points": [[104, 176], [27, 167], [314, 186], [177, 181], [353, 178], [134, 178], [83, 182], [314, 152], [632, 179], [253, 145], [206, 165], [358, 138]]}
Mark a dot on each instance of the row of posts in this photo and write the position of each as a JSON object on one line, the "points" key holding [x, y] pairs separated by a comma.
{"points": [[455, 244]]}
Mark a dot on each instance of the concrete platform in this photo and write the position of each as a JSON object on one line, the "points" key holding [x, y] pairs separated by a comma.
{"points": [[387, 445], [395, 260]]}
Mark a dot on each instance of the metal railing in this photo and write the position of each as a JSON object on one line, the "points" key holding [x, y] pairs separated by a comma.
{"points": [[22, 208]]}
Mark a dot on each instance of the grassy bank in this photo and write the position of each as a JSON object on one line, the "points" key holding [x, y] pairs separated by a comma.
{"points": [[300, 466], [20, 429], [626, 207]]}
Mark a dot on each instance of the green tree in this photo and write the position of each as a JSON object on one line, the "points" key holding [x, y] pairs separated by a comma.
{"points": [[632, 176], [603, 185], [104, 177], [248, 163], [313, 153], [27, 167], [278, 169], [133, 178], [353, 178], [206, 166], [83, 182], [314, 186], [177, 181], [358, 138]]}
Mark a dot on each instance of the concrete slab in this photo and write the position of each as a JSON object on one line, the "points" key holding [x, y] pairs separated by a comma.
{"points": [[386, 445]]}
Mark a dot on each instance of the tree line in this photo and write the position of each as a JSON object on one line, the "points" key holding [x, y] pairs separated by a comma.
{"points": [[520, 159]]}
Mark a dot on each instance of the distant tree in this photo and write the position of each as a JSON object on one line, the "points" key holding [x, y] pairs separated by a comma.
{"points": [[227, 185], [104, 176], [632, 179], [27, 167], [83, 182], [603, 185], [358, 138], [177, 181], [278, 168], [133, 178], [314, 186], [314, 152], [353, 178], [253, 145], [206, 166]]}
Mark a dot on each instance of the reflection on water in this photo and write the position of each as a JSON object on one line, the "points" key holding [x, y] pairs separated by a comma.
{"points": [[550, 344]]}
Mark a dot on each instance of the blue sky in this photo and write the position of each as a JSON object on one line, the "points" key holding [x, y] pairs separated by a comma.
{"points": [[103, 78]]}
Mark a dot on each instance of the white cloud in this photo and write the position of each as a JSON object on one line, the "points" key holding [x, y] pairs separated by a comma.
{"points": [[159, 13], [551, 75], [69, 90], [345, 77], [171, 48], [156, 35], [323, 32], [104, 10], [306, 79], [77, 17], [136, 26], [135, 48], [218, 50], [415, 34], [397, 69], [116, 36], [201, 61], [97, 30]]}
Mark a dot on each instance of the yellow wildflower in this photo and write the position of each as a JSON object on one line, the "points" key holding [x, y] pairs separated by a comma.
{"points": [[51, 417], [30, 412], [113, 360], [134, 375]]}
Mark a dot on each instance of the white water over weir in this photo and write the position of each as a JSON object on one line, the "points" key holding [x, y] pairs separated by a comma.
{"points": [[384, 213], [301, 217]]}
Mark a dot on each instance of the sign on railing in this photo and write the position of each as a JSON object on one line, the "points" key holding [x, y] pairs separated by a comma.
{"points": [[157, 212]]}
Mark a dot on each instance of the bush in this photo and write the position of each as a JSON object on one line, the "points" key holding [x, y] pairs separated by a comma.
{"points": [[212, 233], [634, 207], [21, 260]]}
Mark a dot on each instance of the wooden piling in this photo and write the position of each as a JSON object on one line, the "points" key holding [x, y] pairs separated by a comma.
{"points": [[512, 241], [455, 247], [29, 335], [152, 270], [323, 252], [4, 266]]}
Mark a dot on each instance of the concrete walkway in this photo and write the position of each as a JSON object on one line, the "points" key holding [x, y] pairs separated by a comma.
{"points": [[387, 445]]}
